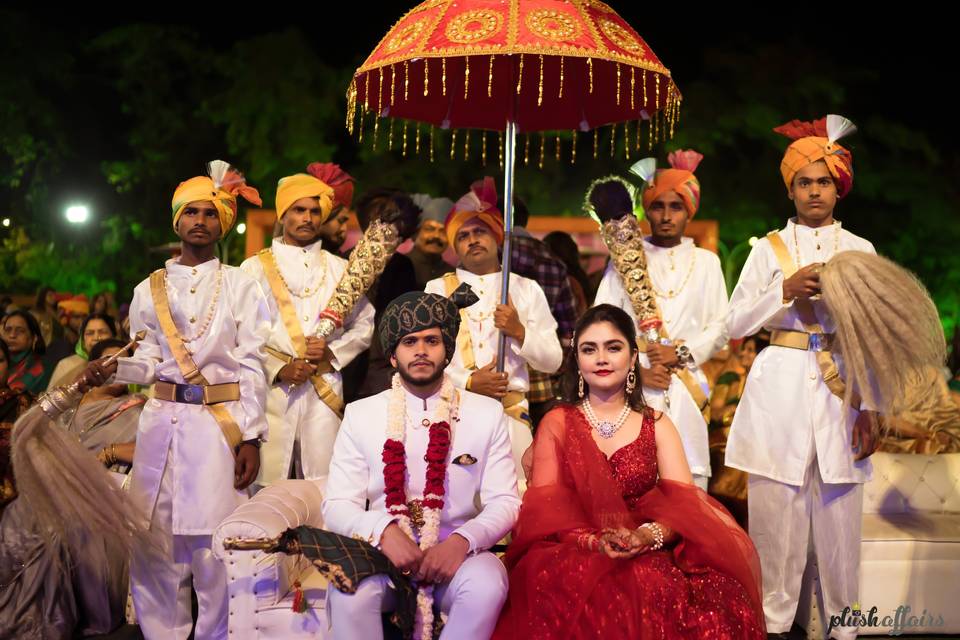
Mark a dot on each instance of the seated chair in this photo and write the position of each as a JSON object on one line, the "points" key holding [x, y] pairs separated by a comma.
{"points": [[261, 585], [910, 549]]}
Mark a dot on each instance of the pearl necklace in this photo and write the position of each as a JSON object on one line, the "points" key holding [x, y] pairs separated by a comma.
{"points": [[604, 428], [210, 313]]}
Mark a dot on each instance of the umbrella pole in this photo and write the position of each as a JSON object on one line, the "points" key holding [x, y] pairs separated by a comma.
{"points": [[508, 162]]}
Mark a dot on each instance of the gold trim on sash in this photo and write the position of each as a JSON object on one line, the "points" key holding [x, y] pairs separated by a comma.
{"points": [[513, 407], [464, 342], [288, 314], [828, 368], [188, 368]]}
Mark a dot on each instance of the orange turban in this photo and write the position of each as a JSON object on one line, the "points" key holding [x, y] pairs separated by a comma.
{"points": [[815, 141], [480, 202], [339, 180], [302, 185], [220, 188], [678, 178]]}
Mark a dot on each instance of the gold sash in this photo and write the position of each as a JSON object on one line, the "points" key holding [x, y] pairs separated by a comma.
{"points": [[288, 314], [828, 368], [511, 401], [684, 374], [188, 368]]}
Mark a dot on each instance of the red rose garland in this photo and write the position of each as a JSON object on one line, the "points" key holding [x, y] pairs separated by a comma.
{"points": [[395, 479]]}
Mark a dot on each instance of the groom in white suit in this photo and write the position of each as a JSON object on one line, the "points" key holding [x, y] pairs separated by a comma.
{"points": [[440, 538]]}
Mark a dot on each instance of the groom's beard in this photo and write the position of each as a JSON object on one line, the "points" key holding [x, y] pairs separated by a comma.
{"points": [[420, 380]]}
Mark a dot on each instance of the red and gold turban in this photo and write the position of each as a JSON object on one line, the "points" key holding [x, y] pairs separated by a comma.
{"points": [[816, 141], [480, 202], [678, 178]]}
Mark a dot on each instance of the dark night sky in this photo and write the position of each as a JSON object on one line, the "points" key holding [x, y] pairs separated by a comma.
{"points": [[912, 52], [904, 60]]}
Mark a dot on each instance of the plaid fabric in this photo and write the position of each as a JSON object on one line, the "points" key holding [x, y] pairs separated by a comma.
{"points": [[531, 258], [345, 562], [541, 387]]}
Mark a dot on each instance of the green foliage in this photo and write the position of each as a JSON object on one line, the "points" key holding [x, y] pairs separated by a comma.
{"points": [[131, 111]]}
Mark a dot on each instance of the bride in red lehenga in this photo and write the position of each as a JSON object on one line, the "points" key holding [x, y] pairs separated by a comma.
{"points": [[614, 540]]}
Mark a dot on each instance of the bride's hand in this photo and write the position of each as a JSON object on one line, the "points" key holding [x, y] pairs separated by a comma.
{"points": [[620, 543]]}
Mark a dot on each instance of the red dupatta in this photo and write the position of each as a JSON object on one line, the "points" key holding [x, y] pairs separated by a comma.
{"points": [[572, 487]]}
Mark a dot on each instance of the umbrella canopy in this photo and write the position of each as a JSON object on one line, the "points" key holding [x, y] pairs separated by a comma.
{"points": [[515, 66], [541, 64]]}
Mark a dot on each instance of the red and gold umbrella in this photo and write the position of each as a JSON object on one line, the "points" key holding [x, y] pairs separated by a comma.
{"points": [[514, 66]]}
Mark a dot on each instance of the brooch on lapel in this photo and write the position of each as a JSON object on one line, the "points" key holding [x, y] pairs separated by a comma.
{"points": [[464, 460]]}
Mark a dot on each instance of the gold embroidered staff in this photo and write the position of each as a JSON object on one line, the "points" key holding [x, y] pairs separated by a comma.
{"points": [[55, 402], [366, 263]]}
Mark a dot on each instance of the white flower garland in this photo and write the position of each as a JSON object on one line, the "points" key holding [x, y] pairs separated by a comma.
{"points": [[430, 531]]}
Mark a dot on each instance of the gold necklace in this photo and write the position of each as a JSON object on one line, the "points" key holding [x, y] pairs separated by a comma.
{"points": [[796, 243], [308, 292], [673, 293]]}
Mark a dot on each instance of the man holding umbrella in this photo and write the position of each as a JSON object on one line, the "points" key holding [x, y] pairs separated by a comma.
{"points": [[475, 229]]}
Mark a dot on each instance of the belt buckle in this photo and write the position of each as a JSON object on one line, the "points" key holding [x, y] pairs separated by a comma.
{"points": [[817, 342], [191, 393]]}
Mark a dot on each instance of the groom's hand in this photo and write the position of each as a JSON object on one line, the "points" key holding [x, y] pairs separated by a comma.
{"points": [[441, 562], [400, 549]]}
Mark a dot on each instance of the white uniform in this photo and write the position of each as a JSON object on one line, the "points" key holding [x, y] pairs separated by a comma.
{"points": [[540, 349], [297, 415], [791, 435], [692, 297], [481, 504], [183, 469]]}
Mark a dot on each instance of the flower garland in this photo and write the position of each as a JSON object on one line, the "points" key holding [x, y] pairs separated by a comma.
{"points": [[395, 476]]}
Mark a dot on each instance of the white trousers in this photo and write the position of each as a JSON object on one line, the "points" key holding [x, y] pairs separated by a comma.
{"points": [[701, 481], [161, 579], [782, 519], [301, 436], [472, 601]]}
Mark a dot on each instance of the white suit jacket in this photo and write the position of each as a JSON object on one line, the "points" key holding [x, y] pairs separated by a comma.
{"points": [[481, 502]]}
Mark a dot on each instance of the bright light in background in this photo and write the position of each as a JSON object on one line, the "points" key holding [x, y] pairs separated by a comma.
{"points": [[242, 228], [752, 241], [6, 222], [78, 214]]}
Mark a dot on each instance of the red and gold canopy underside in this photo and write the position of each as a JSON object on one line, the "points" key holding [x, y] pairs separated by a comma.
{"points": [[548, 65]]}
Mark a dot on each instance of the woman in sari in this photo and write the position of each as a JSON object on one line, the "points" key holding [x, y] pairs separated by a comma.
{"points": [[26, 371], [106, 420], [613, 539]]}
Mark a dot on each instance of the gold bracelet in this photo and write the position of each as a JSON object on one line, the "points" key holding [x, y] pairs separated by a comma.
{"points": [[469, 381]]}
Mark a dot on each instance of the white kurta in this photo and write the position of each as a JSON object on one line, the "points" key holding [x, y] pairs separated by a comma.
{"points": [[231, 350], [787, 416], [297, 413], [540, 349], [356, 471], [696, 315]]}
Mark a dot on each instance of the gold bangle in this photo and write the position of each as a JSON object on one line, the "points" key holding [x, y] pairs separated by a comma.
{"points": [[469, 381]]}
